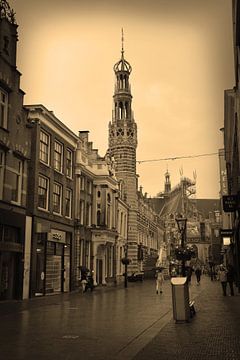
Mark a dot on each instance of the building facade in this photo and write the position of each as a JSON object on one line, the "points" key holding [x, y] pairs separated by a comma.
{"points": [[15, 142], [51, 203], [102, 232], [232, 142]]}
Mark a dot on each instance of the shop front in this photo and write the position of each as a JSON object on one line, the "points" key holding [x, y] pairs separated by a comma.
{"points": [[52, 263], [11, 264]]}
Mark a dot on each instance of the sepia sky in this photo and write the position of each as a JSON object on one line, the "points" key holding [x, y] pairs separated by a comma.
{"points": [[182, 59]]}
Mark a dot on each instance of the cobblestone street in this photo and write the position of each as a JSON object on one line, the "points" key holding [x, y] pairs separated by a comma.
{"points": [[118, 323]]}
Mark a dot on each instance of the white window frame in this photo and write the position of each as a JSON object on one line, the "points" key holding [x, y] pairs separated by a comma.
{"points": [[3, 109], [69, 170], [19, 173], [56, 162], [47, 191], [69, 191], [45, 144], [2, 171], [55, 184]]}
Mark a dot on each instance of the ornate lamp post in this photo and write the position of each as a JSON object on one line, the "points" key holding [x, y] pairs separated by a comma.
{"points": [[182, 225]]}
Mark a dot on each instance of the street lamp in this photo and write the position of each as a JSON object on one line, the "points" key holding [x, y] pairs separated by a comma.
{"points": [[182, 225]]}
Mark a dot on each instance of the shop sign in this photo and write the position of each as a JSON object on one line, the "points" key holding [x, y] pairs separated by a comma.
{"points": [[9, 246], [57, 236], [229, 203], [226, 232]]}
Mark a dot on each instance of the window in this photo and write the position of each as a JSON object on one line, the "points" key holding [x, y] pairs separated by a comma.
{"points": [[57, 198], [68, 209], [69, 163], [43, 192], [14, 179], [81, 212], [3, 108], [2, 169], [58, 156], [89, 187], [44, 147], [82, 183]]}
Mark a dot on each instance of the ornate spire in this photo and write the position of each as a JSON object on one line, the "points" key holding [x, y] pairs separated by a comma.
{"points": [[122, 65], [122, 44], [6, 12]]}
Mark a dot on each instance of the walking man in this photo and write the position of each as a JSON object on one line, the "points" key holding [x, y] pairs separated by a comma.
{"points": [[222, 276]]}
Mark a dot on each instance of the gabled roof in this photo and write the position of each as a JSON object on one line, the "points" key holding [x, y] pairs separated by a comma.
{"points": [[205, 206]]}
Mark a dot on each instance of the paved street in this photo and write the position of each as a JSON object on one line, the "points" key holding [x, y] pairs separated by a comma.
{"points": [[118, 323]]}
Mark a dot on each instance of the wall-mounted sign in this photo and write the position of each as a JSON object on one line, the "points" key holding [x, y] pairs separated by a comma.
{"points": [[229, 203], [57, 236], [226, 232]]}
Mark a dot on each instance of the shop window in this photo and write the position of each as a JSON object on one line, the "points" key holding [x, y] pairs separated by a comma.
{"points": [[14, 179], [43, 192], [2, 170], [3, 108], [9, 234], [58, 156], [57, 198], [69, 163], [44, 150], [68, 203]]}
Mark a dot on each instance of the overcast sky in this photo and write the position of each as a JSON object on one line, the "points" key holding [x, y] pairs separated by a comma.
{"points": [[182, 59]]}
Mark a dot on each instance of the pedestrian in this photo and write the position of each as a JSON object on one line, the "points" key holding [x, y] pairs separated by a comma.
{"points": [[230, 277], [189, 271], [84, 281], [222, 277], [198, 273], [159, 281]]}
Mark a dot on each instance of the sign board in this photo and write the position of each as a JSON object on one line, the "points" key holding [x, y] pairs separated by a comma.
{"points": [[226, 232], [57, 236], [229, 203]]}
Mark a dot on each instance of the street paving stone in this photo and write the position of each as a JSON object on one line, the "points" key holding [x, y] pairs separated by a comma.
{"points": [[213, 333], [121, 324]]}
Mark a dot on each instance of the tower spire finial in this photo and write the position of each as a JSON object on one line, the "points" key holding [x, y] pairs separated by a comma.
{"points": [[122, 43]]}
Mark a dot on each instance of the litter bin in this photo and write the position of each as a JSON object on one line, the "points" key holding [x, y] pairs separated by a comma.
{"points": [[180, 299]]}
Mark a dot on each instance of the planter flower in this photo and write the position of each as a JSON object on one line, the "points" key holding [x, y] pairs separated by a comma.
{"points": [[185, 253]]}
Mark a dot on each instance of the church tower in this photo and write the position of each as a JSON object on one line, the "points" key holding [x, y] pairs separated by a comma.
{"points": [[167, 185], [122, 146]]}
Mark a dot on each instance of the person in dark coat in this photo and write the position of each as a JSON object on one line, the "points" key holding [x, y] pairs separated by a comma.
{"points": [[230, 277], [198, 273]]}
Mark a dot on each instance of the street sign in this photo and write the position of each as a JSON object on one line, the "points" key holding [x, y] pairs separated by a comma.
{"points": [[229, 203]]}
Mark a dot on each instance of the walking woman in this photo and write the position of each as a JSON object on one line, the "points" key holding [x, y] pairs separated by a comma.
{"points": [[222, 276], [159, 281]]}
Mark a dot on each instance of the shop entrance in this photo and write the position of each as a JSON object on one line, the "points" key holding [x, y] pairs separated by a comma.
{"points": [[8, 281]]}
